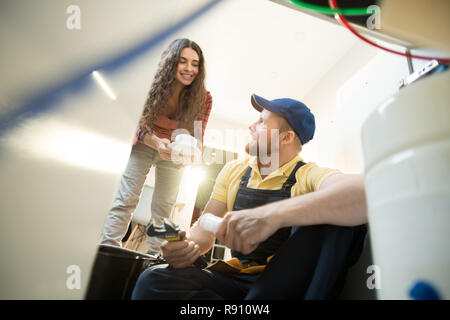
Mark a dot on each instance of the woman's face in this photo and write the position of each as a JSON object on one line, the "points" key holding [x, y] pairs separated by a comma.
{"points": [[188, 65]]}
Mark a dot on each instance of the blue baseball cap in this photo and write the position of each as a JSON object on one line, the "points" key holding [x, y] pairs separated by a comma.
{"points": [[295, 112]]}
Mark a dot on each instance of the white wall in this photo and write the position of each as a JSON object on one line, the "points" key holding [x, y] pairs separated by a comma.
{"points": [[344, 98], [59, 171]]}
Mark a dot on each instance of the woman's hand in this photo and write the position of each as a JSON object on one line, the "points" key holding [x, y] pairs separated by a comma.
{"points": [[150, 140], [180, 254], [164, 151], [160, 145]]}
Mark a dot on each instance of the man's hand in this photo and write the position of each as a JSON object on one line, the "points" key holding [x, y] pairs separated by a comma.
{"points": [[180, 254], [243, 230]]}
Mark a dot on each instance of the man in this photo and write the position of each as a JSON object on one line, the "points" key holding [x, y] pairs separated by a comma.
{"points": [[294, 228]]}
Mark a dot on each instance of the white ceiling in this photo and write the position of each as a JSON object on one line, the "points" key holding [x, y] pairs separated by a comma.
{"points": [[251, 46], [256, 46]]}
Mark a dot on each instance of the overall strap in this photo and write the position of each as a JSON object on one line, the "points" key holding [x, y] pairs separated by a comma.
{"points": [[246, 177], [291, 180]]}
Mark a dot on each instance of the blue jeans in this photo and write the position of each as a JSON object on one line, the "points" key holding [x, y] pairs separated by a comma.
{"points": [[311, 264]]}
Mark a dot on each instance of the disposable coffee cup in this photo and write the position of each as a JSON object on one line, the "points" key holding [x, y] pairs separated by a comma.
{"points": [[186, 140], [210, 222], [185, 150]]}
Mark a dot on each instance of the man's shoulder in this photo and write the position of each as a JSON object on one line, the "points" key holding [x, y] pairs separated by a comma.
{"points": [[312, 167], [228, 177], [234, 169], [311, 176]]}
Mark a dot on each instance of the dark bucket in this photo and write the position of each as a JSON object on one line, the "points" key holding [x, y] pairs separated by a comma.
{"points": [[115, 272]]}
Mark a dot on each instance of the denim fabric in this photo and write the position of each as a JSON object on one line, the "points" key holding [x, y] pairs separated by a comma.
{"points": [[311, 265]]}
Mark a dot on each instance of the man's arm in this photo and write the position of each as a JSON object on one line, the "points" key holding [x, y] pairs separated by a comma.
{"points": [[180, 254], [203, 238], [340, 200]]}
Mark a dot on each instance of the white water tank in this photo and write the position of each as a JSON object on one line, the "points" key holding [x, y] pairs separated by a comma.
{"points": [[406, 144]]}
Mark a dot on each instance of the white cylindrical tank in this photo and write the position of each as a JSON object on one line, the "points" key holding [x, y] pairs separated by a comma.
{"points": [[406, 144]]}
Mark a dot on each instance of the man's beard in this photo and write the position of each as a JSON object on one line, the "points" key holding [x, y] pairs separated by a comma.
{"points": [[254, 149], [267, 152]]}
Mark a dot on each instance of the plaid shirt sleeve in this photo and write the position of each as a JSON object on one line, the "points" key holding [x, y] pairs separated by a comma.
{"points": [[203, 116], [140, 132]]}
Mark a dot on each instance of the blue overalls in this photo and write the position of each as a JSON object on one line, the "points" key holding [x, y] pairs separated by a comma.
{"points": [[247, 198], [310, 262]]}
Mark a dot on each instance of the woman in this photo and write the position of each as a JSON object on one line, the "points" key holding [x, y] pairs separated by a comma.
{"points": [[177, 99]]}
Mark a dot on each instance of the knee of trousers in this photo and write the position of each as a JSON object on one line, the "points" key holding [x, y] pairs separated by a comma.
{"points": [[149, 282], [324, 233], [126, 198], [348, 241], [152, 282], [162, 208]]}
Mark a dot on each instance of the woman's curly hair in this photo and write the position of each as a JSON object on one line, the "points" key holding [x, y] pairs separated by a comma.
{"points": [[193, 95]]}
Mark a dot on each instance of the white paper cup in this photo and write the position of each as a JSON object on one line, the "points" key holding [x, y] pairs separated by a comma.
{"points": [[210, 222], [185, 150], [186, 140]]}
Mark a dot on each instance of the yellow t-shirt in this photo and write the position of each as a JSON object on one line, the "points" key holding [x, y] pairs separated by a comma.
{"points": [[309, 178]]}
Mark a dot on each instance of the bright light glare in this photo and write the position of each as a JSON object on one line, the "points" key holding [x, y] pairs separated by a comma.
{"points": [[199, 174], [195, 175], [187, 194], [72, 145], [98, 77]]}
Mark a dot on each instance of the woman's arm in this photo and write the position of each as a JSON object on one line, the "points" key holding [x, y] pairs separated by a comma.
{"points": [[203, 117], [160, 145], [151, 140]]}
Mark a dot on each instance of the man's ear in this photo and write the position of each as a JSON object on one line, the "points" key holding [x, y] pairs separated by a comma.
{"points": [[287, 137]]}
